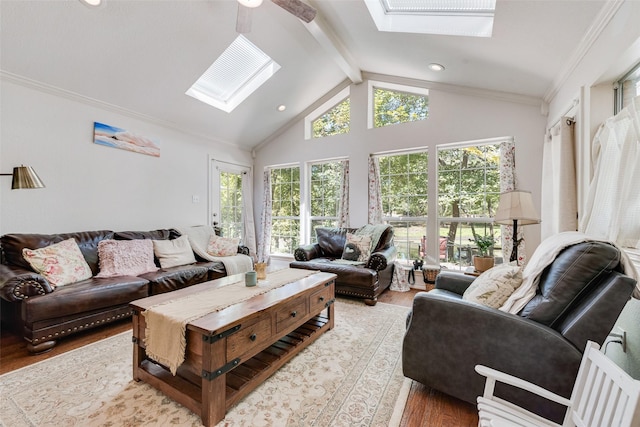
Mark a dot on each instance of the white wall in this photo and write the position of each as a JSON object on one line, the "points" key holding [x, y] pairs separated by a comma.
{"points": [[453, 117], [89, 186]]}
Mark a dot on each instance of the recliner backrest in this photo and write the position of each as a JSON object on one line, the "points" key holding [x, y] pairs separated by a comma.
{"points": [[576, 272]]}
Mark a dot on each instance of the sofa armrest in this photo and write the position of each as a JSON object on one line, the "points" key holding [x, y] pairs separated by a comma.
{"points": [[378, 261], [453, 282], [307, 252], [17, 284], [243, 250]]}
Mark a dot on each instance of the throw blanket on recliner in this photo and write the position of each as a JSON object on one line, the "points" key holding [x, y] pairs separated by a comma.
{"points": [[199, 239], [544, 255]]}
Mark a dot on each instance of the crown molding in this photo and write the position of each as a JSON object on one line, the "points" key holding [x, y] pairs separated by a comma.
{"points": [[73, 96], [601, 21]]}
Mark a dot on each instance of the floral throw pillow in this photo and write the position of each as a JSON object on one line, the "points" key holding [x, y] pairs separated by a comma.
{"points": [[61, 263], [125, 257], [222, 246], [357, 248], [493, 287]]}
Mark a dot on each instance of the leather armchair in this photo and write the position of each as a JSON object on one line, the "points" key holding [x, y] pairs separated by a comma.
{"points": [[579, 298], [362, 281]]}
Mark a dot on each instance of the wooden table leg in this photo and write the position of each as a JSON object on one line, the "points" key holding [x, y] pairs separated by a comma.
{"points": [[138, 352], [214, 393]]}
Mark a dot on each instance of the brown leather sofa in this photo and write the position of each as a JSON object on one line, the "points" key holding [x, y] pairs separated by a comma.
{"points": [[366, 281], [579, 298], [31, 307]]}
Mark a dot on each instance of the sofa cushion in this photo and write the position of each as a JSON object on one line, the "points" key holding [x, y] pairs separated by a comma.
{"points": [[125, 257], [85, 296], [331, 241], [494, 286], [61, 263], [171, 279], [575, 271], [172, 253], [357, 248], [162, 234], [12, 245]]}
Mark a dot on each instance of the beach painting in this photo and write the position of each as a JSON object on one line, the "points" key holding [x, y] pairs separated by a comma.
{"points": [[112, 136]]}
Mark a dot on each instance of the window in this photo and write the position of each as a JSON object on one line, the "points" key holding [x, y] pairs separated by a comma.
{"points": [[404, 186], [627, 88], [334, 121], [231, 204], [333, 117], [392, 104], [468, 194], [324, 193], [285, 211]]}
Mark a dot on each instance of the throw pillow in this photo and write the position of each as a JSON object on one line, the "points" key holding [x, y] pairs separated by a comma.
{"points": [[172, 253], [125, 257], [61, 263], [357, 248], [222, 246], [493, 287]]}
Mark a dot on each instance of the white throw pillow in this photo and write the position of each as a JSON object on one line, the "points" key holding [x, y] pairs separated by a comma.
{"points": [[357, 248], [493, 287], [172, 253]]}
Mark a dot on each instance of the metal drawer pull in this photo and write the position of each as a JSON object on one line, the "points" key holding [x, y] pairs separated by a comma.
{"points": [[253, 337], [321, 298], [293, 314]]}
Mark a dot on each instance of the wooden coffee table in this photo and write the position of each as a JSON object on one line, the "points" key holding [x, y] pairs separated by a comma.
{"points": [[232, 351]]}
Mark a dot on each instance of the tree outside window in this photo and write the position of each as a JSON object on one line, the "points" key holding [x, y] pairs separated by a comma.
{"points": [[334, 122], [392, 107], [285, 193], [324, 193], [231, 204]]}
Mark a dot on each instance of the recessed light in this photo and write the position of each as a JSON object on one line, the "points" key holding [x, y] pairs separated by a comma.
{"points": [[250, 3], [436, 67], [91, 2], [282, 107]]}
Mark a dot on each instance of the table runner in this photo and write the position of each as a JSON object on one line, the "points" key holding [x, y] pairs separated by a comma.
{"points": [[166, 323]]}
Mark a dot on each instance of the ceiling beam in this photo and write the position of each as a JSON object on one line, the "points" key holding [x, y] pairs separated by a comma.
{"points": [[327, 38]]}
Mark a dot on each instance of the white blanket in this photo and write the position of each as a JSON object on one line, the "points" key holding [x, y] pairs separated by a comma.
{"points": [[543, 256], [199, 239]]}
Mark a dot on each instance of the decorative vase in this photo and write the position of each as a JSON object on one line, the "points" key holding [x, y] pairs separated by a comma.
{"points": [[261, 269], [482, 263]]}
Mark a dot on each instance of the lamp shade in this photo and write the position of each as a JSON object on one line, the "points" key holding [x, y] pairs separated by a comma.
{"points": [[25, 177], [518, 205]]}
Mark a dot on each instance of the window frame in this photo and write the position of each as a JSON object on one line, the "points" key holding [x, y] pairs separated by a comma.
{"points": [[373, 84], [296, 238], [324, 108], [309, 234], [619, 95]]}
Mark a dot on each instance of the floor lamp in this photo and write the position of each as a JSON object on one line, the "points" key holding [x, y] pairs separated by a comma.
{"points": [[516, 207], [24, 177]]}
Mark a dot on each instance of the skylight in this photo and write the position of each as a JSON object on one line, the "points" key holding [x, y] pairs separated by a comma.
{"points": [[237, 73], [445, 17]]}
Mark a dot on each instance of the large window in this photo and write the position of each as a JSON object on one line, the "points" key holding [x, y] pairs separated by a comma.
{"points": [[468, 194], [333, 122], [391, 104], [324, 192], [285, 213], [404, 200], [627, 88]]}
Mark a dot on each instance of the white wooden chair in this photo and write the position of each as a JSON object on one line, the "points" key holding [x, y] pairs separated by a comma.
{"points": [[603, 395]]}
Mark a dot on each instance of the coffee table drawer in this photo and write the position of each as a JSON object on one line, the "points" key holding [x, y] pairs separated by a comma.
{"points": [[291, 313], [251, 336], [318, 300]]}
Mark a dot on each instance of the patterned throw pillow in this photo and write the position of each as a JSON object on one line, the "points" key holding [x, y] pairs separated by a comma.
{"points": [[61, 263], [493, 287], [125, 257], [222, 246], [175, 252], [357, 248]]}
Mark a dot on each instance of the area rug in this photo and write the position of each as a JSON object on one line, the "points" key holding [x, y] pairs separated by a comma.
{"points": [[351, 376]]}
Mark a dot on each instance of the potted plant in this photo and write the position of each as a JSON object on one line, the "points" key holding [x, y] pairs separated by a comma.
{"points": [[483, 262]]}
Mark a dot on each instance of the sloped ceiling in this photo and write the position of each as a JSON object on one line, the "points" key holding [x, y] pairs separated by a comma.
{"points": [[142, 56]]}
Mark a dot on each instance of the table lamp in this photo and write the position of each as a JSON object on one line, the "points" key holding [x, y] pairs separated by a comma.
{"points": [[516, 207]]}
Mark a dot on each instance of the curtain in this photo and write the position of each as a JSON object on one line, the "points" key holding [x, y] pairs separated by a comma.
{"points": [[265, 221], [559, 210], [375, 195], [508, 183], [613, 204], [343, 204], [249, 237]]}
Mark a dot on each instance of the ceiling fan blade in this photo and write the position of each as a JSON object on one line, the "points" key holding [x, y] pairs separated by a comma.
{"points": [[297, 8], [243, 22]]}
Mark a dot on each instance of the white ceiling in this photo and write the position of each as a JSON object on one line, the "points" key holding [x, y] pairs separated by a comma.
{"points": [[143, 55]]}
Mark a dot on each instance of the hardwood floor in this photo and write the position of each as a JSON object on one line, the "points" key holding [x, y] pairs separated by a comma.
{"points": [[425, 407]]}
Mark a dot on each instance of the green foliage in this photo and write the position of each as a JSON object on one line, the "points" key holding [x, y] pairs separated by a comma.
{"points": [[334, 121], [392, 107], [484, 243], [285, 193], [404, 184], [231, 204]]}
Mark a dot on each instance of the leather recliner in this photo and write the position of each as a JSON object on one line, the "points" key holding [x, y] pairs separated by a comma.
{"points": [[366, 281], [579, 297]]}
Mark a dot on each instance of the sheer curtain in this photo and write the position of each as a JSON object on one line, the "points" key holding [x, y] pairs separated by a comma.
{"points": [[508, 183], [264, 242], [613, 205], [375, 196], [249, 227], [343, 205], [559, 210]]}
